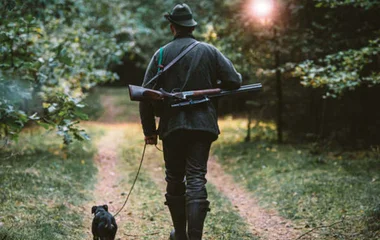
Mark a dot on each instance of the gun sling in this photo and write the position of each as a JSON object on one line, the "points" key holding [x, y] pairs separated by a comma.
{"points": [[174, 61]]}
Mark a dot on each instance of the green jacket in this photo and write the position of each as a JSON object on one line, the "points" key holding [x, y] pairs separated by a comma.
{"points": [[201, 68]]}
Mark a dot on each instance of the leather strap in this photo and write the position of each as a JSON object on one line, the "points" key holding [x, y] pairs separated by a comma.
{"points": [[181, 55], [174, 61]]}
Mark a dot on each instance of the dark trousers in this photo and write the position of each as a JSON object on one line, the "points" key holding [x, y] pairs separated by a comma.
{"points": [[186, 153]]}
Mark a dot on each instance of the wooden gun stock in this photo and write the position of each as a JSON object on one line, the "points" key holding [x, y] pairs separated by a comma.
{"points": [[137, 93]]}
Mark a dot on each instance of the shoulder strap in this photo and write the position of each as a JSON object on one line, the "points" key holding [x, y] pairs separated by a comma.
{"points": [[181, 55], [160, 58], [174, 61]]}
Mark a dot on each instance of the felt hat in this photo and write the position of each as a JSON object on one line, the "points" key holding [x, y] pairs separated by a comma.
{"points": [[181, 15]]}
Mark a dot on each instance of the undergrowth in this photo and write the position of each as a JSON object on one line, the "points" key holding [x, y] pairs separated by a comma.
{"points": [[43, 184], [334, 193]]}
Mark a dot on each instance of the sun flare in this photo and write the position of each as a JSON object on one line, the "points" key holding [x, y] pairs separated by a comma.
{"points": [[261, 8]]}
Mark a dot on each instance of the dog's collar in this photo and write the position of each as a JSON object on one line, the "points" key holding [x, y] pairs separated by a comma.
{"points": [[97, 212]]}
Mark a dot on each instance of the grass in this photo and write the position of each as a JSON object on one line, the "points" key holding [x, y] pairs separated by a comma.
{"points": [[145, 206], [42, 187], [223, 222], [101, 97], [93, 105], [313, 190]]}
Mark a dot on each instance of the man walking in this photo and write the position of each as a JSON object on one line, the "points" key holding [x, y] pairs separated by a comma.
{"points": [[186, 132]]}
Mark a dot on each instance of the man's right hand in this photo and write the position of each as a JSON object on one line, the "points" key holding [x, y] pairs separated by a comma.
{"points": [[151, 140]]}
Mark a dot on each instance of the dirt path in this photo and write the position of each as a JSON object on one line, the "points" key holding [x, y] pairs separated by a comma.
{"points": [[109, 188], [111, 110], [263, 223]]}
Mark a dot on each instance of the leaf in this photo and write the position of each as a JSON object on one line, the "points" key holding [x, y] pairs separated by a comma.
{"points": [[318, 5], [44, 125], [81, 115], [84, 135], [52, 108], [45, 105], [67, 139], [66, 60], [34, 117]]}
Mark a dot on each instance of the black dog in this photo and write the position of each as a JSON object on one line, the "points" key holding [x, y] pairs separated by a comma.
{"points": [[103, 225]]}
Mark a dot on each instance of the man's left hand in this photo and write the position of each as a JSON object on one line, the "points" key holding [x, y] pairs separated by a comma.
{"points": [[151, 140]]}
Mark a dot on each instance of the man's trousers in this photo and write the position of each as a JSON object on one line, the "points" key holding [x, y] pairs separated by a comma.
{"points": [[186, 153]]}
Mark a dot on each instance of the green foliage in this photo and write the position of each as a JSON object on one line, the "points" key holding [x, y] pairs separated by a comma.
{"points": [[53, 51], [12, 117], [357, 3], [351, 60], [342, 70]]}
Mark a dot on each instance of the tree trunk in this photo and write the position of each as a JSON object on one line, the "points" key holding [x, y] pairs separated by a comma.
{"points": [[279, 96]]}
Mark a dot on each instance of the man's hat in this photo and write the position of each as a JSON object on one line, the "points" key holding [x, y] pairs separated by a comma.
{"points": [[181, 15]]}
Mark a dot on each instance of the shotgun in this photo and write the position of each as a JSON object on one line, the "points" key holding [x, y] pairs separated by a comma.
{"points": [[185, 98]]}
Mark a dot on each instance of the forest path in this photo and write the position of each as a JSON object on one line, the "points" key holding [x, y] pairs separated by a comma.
{"points": [[263, 223], [111, 187]]}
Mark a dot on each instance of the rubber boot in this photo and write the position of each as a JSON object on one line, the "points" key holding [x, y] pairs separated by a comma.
{"points": [[177, 208], [196, 215]]}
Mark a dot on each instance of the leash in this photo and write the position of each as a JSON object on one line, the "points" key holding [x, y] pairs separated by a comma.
{"points": [[134, 182], [158, 148]]}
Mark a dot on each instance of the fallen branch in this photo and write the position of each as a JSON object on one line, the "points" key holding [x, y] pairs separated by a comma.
{"points": [[11, 156], [141, 235], [308, 232]]}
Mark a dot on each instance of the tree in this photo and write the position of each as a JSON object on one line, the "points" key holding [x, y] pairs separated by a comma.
{"points": [[52, 53], [351, 59]]}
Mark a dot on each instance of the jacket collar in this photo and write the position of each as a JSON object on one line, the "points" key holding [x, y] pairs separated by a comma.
{"points": [[189, 35]]}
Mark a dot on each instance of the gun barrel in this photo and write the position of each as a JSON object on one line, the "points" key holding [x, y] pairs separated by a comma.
{"points": [[246, 88], [204, 92]]}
